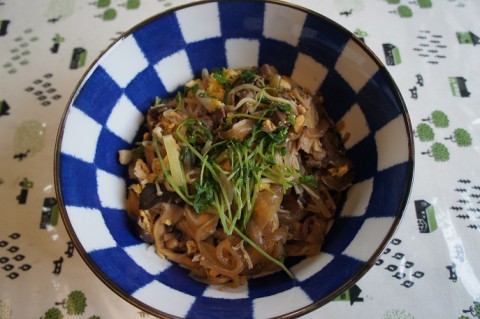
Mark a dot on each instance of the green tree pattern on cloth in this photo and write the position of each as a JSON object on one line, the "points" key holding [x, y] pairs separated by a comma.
{"points": [[397, 314], [425, 132], [405, 11], [461, 137], [53, 313], [439, 119], [439, 152], [474, 310], [424, 3], [5, 311], [76, 303]]}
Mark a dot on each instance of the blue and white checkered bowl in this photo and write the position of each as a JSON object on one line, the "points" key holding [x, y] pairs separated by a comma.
{"points": [[154, 59]]}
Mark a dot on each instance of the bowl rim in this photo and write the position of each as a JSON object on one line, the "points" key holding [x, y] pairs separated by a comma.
{"points": [[314, 305]]}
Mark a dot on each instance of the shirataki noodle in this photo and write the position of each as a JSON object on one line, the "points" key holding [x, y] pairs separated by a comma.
{"points": [[240, 170]]}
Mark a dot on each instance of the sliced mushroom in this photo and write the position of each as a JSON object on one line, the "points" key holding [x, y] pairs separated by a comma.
{"points": [[149, 197], [143, 229], [153, 194], [336, 182], [279, 117]]}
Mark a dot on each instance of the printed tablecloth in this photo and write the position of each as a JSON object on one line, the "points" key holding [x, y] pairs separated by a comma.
{"points": [[430, 269]]}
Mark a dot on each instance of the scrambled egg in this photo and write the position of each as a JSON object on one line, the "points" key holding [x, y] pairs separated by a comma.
{"points": [[215, 89], [231, 74]]}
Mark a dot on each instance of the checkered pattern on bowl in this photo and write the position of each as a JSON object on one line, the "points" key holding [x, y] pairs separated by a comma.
{"points": [[153, 60]]}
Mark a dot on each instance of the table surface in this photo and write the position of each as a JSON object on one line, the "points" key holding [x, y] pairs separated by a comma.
{"points": [[430, 269]]}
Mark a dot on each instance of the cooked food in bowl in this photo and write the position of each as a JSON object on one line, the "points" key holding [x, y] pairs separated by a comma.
{"points": [[238, 171]]}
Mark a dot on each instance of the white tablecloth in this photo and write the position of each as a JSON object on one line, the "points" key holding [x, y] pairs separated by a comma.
{"points": [[430, 269]]}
